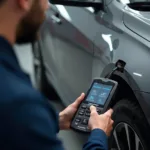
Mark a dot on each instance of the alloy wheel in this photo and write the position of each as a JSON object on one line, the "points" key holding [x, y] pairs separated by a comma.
{"points": [[125, 138]]}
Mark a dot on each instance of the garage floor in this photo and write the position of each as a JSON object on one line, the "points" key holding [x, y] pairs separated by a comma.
{"points": [[71, 139]]}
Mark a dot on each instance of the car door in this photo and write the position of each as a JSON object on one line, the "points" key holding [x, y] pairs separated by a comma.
{"points": [[75, 34]]}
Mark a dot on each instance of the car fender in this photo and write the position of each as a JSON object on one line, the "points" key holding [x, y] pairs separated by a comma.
{"points": [[142, 98]]}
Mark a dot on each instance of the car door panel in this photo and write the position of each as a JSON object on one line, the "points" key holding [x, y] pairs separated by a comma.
{"points": [[73, 60], [74, 30], [75, 38]]}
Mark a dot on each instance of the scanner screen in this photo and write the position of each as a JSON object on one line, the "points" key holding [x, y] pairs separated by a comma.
{"points": [[99, 93]]}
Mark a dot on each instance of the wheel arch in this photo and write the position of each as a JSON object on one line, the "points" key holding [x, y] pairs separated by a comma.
{"points": [[123, 88], [126, 85]]}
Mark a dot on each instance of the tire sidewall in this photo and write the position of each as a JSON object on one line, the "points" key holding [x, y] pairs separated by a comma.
{"points": [[124, 113]]}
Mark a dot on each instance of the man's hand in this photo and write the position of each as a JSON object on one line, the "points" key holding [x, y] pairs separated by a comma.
{"points": [[103, 122], [66, 115]]}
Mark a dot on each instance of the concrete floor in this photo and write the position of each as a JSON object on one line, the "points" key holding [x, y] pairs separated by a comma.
{"points": [[71, 139]]}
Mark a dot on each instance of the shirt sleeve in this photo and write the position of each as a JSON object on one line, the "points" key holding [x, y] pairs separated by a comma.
{"points": [[96, 141], [33, 125]]}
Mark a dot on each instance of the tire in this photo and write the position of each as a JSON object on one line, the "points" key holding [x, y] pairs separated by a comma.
{"points": [[130, 127]]}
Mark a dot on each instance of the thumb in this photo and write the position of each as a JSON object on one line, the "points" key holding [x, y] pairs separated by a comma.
{"points": [[79, 100], [93, 109]]}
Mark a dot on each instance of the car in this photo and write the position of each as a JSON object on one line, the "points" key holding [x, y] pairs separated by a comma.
{"points": [[81, 40]]}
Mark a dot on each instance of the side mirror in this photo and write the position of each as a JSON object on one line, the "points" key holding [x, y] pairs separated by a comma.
{"points": [[98, 4]]}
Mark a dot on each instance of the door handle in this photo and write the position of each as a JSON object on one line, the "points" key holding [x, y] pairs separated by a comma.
{"points": [[56, 19]]}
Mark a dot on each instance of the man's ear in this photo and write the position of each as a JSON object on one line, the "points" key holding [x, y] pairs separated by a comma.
{"points": [[25, 4]]}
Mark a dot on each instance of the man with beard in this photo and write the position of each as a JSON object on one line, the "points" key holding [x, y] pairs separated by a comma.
{"points": [[27, 120]]}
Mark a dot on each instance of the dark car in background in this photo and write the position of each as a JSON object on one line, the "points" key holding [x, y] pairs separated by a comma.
{"points": [[80, 43]]}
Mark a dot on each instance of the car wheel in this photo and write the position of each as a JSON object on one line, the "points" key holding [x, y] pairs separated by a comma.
{"points": [[131, 131]]}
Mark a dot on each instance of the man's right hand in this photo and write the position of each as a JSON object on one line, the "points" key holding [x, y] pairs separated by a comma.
{"points": [[103, 121]]}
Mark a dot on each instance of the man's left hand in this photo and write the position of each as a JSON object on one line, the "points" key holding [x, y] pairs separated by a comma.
{"points": [[65, 117]]}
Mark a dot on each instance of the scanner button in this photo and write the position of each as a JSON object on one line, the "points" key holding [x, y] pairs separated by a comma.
{"points": [[81, 113], [82, 128], [76, 123], [83, 106], [87, 114], [79, 116], [85, 121], [77, 119]]}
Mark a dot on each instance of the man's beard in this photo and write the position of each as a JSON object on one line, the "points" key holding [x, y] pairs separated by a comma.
{"points": [[28, 28]]}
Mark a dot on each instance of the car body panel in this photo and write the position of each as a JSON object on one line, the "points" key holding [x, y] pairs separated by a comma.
{"points": [[130, 47], [69, 60], [87, 45], [138, 22], [75, 50]]}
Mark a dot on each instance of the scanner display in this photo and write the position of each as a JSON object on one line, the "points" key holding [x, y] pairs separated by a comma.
{"points": [[99, 93]]}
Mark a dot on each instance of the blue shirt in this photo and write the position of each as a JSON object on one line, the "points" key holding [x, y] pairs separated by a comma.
{"points": [[27, 120]]}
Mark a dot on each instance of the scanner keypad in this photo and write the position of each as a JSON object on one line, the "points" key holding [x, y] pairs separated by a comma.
{"points": [[83, 116]]}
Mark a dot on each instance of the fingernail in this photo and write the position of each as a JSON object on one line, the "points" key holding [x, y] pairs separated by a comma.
{"points": [[91, 106]]}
